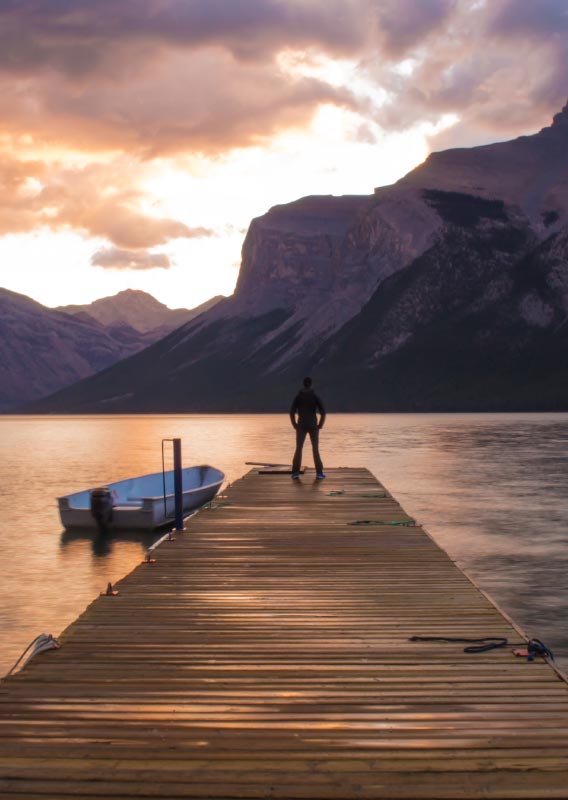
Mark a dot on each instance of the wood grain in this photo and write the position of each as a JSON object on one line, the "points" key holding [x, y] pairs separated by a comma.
{"points": [[266, 653]]}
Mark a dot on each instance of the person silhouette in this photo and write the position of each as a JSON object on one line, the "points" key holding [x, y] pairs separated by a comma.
{"points": [[306, 404]]}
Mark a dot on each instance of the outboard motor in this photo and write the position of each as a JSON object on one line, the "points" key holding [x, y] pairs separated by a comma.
{"points": [[101, 507]]}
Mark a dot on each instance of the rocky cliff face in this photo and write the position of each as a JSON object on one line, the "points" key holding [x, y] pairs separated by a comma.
{"points": [[529, 173], [447, 290], [476, 323], [318, 260]]}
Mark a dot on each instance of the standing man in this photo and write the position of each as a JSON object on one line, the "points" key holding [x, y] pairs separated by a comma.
{"points": [[305, 405]]}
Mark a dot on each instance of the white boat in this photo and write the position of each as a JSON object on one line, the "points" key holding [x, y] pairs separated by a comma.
{"points": [[141, 502]]}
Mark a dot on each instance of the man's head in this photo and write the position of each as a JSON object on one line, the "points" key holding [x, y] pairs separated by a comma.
{"points": [[307, 383]]}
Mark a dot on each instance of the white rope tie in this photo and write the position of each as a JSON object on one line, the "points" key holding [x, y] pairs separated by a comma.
{"points": [[45, 641]]}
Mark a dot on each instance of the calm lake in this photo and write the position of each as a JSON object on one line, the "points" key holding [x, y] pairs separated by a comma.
{"points": [[491, 489]]}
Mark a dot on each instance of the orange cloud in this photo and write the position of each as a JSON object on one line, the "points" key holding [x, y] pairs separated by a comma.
{"points": [[171, 76], [99, 200], [19, 183], [199, 101], [158, 78], [165, 76]]}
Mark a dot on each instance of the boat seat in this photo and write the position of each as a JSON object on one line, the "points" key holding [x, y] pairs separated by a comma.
{"points": [[127, 504]]}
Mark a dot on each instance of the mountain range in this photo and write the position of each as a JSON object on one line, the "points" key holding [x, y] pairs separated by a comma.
{"points": [[140, 311], [447, 290], [44, 349]]}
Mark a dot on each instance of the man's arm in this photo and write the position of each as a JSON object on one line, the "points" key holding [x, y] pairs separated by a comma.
{"points": [[321, 410], [293, 409]]}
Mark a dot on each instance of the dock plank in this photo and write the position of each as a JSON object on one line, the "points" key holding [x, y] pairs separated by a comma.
{"points": [[267, 653]]}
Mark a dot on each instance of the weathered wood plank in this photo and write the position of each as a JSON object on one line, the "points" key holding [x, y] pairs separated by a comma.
{"points": [[267, 653]]}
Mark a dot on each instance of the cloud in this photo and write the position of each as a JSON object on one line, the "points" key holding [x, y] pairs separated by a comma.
{"points": [[19, 184], [99, 200], [131, 82], [500, 67], [166, 76], [540, 28], [543, 18], [403, 24], [203, 101], [115, 258], [79, 37], [163, 77]]}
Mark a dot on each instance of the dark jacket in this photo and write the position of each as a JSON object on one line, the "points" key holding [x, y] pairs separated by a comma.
{"points": [[306, 404]]}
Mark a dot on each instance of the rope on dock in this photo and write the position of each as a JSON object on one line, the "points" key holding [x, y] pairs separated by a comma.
{"points": [[475, 645], [533, 648], [405, 523], [45, 641], [373, 495]]}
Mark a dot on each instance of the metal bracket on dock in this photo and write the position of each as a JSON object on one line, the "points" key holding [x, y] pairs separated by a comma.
{"points": [[212, 505]]}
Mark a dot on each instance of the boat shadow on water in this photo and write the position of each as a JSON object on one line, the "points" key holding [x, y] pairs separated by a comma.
{"points": [[102, 541]]}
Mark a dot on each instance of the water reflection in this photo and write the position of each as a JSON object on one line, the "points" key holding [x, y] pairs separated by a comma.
{"points": [[102, 541], [491, 489]]}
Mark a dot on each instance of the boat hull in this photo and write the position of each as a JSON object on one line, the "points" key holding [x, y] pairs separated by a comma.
{"points": [[138, 506]]}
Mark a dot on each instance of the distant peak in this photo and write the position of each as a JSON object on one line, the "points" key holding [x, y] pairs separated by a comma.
{"points": [[560, 120], [132, 292], [133, 296]]}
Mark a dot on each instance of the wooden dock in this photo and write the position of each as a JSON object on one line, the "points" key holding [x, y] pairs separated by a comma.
{"points": [[266, 654]]}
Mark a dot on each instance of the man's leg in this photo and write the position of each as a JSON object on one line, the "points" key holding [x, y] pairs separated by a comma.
{"points": [[314, 436], [300, 439]]}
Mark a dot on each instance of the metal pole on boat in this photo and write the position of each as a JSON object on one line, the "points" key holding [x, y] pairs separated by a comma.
{"points": [[178, 491]]}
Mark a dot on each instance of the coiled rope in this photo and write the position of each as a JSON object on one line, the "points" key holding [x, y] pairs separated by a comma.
{"points": [[405, 523], [374, 495], [45, 641], [534, 647], [475, 645]]}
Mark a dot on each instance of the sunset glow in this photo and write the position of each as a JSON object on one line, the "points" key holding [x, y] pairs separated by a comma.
{"points": [[137, 145]]}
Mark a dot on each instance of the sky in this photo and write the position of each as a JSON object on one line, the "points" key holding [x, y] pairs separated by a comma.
{"points": [[138, 138]]}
